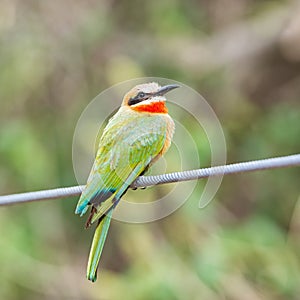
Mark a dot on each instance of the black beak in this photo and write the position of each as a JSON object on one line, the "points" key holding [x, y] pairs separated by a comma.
{"points": [[165, 89]]}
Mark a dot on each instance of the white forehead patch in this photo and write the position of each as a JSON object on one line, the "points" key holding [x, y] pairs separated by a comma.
{"points": [[148, 87]]}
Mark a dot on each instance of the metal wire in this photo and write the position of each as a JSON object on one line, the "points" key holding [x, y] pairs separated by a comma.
{"points": [[144, 181], [268, 163]]}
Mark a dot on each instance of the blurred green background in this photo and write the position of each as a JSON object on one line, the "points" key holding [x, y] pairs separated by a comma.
{"points": [[242, 55]]}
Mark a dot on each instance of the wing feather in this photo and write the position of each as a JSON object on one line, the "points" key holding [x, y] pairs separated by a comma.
{"points": [[126, 148]]}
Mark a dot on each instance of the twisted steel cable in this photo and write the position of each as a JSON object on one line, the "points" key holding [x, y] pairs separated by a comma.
{"points": [[144, 181]]}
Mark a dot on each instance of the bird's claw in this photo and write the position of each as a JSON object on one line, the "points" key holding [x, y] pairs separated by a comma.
{"points": [[135, 188]]}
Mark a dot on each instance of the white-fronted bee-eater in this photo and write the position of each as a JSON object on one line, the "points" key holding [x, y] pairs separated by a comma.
{"points": [[134, 138]]}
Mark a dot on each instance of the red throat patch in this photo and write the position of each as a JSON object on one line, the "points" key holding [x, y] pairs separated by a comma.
{"points": [[154, 107]]}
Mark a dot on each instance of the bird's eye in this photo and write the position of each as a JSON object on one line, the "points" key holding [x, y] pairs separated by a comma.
{"points": [[141, 95]]}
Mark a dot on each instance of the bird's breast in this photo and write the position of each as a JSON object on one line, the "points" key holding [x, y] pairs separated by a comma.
{"points": [[169, 133]]}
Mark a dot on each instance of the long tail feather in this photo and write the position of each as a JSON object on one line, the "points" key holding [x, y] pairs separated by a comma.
{"points": [[97, 246]]}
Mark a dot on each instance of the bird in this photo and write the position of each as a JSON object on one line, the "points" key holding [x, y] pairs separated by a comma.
{"points": [[134, 138]]}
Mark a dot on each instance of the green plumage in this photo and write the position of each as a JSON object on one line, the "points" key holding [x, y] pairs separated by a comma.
{"points": [[130, 141]]}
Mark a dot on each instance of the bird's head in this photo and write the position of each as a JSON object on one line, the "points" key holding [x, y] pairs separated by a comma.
{"points": [[148, 97]]}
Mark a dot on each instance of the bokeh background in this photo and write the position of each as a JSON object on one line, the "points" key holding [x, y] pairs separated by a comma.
{"points": [[244, 58]]}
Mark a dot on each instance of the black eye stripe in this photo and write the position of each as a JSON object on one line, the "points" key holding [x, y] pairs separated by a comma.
{"points": [[141, 96], [133, 101]]}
